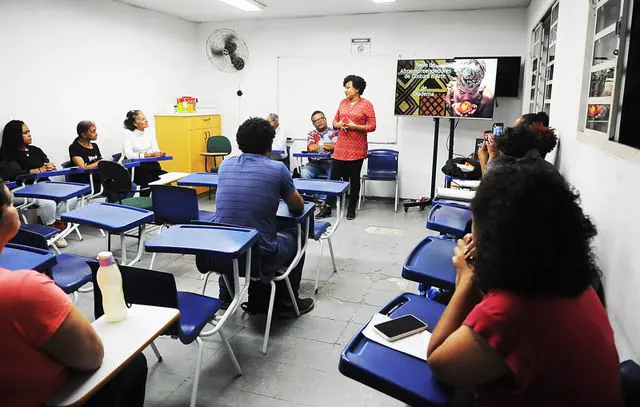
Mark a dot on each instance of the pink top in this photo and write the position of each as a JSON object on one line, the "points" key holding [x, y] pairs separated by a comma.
{"points": [[352, 145], [32, 308]]}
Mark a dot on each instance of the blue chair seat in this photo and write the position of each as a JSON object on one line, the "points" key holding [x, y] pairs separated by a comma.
{"points": [[71, 272], [206, 216], [430, 263], [319, 228], [381, 175], [195, 311], [42, 230]]}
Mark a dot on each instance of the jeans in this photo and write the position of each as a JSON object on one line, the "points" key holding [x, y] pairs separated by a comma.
{"points": [[285, 253], [316, 169], [348, 171], [47, 210]]}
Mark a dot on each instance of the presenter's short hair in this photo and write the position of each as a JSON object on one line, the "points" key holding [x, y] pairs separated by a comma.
{"points": [[357, 81], [274, 117], [255, 136]]}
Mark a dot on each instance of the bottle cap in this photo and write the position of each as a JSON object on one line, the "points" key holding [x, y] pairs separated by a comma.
{"points": [[105, 259]]}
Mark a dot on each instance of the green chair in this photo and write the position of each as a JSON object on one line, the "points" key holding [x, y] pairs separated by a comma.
{"points": [[118, 187], [217, 146]]}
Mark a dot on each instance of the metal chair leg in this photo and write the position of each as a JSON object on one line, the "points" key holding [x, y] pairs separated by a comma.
{"points": [[333, 260], [272, 300], [196, 376], [102, 233], [153, 256], [156, 351], [74, 297], [232, 355], [318, 267], [397, 185]]}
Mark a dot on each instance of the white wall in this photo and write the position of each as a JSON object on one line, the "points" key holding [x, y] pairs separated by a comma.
{"points": [[71, 60], [608, 185], [419, 34]]}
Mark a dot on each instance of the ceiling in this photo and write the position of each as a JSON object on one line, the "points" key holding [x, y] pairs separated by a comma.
{"points": [[215, 10]]}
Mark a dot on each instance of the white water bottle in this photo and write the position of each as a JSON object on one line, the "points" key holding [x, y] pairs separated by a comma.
{"points": [[110, 283], [321, 146]]}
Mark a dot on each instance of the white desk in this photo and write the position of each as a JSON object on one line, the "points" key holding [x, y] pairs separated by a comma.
{"points": [[169, 178], [122, 342]]}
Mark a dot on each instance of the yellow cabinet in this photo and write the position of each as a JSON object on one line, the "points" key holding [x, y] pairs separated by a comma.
{"points": [[184, 136]]}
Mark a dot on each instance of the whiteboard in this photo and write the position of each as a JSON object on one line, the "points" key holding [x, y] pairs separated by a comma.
{"points": [[307, 84]]}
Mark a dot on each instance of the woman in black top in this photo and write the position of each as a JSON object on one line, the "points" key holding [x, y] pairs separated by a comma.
{"points": [[84, 153], [17, 150]]}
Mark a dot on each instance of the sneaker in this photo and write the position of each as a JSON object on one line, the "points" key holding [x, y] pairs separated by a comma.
{"points": [[351, 214], [325, 212], [61, 243], [286, 311]]}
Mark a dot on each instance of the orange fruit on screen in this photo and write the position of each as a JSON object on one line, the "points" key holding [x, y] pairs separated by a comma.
{"points": [[465, 107]]}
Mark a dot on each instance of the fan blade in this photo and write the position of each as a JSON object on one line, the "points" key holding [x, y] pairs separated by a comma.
{"points": [[237, 62]]}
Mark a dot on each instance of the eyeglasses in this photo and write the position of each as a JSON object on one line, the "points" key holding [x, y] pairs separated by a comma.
{"points": [[319, 120]]}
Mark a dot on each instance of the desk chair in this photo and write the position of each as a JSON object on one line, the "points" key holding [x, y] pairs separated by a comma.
{"points": [[218, 145], [450, 218], [69, 178], [382, 165], [429, 263], [118, 187], [71, 272], [174, 206], [207, 264], [630, 377], [149, 287]]}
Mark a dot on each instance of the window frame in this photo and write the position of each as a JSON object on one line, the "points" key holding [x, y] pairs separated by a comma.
{"points": [[541, 81], [621, 28]]}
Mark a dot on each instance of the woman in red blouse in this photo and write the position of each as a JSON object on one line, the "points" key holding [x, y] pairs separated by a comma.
{"points": [[354, 119], [524, 326]]}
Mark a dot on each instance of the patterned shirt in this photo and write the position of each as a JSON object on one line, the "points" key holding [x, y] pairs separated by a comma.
{"points": [[352, 145], [328, 136]]}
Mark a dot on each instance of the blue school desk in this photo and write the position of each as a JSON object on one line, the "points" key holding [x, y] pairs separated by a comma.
{"points": [[115, 219], [394, 373], [430, 263], [19, 257]]}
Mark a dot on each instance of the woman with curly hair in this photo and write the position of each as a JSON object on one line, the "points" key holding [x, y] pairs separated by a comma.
{"points": [[524, 326], [529, 137]]}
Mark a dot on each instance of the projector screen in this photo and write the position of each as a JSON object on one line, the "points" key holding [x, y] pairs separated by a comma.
{"points": [[462, 88]]}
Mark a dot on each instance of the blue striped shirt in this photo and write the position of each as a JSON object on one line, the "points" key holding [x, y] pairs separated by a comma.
{"points": [[249, 190]]}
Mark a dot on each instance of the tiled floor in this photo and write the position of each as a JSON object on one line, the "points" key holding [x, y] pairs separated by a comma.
{"points": [[301, 365]]}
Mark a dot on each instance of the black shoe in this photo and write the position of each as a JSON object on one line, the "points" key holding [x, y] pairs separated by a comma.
{"points": [[252, 309], [286, 311], [351, 214], [325, 212]]}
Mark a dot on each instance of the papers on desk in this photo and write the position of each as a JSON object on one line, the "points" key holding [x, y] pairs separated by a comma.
{"points": [[465, 183], [414, 345], [169, 178], [455, 194]]}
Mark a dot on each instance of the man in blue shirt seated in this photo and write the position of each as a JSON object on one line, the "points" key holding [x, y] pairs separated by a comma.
{"points": [[250, 187]]}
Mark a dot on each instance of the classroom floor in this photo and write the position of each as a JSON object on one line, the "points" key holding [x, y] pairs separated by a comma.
{"points": [[301, 364]]}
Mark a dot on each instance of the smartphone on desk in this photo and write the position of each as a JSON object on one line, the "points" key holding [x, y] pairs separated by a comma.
{"points": [[400, 327]]}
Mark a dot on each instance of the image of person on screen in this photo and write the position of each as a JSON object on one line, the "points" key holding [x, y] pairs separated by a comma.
{"points": [[467, 96]]}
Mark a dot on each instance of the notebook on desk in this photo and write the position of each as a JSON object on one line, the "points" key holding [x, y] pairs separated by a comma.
{"points": [[414, 345], [455, 194]]}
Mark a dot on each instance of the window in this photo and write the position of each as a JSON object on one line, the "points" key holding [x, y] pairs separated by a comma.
{"points": [[606, 57], [543, 55]]}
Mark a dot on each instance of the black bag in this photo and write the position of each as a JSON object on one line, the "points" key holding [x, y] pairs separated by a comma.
{"points": [[452, 170]]}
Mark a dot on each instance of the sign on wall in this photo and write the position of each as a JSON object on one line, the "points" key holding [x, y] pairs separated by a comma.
{"points": [[361, 46]]}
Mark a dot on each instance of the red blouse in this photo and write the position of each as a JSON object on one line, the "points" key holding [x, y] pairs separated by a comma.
{"points": [[352, 145], [561, 351]]}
